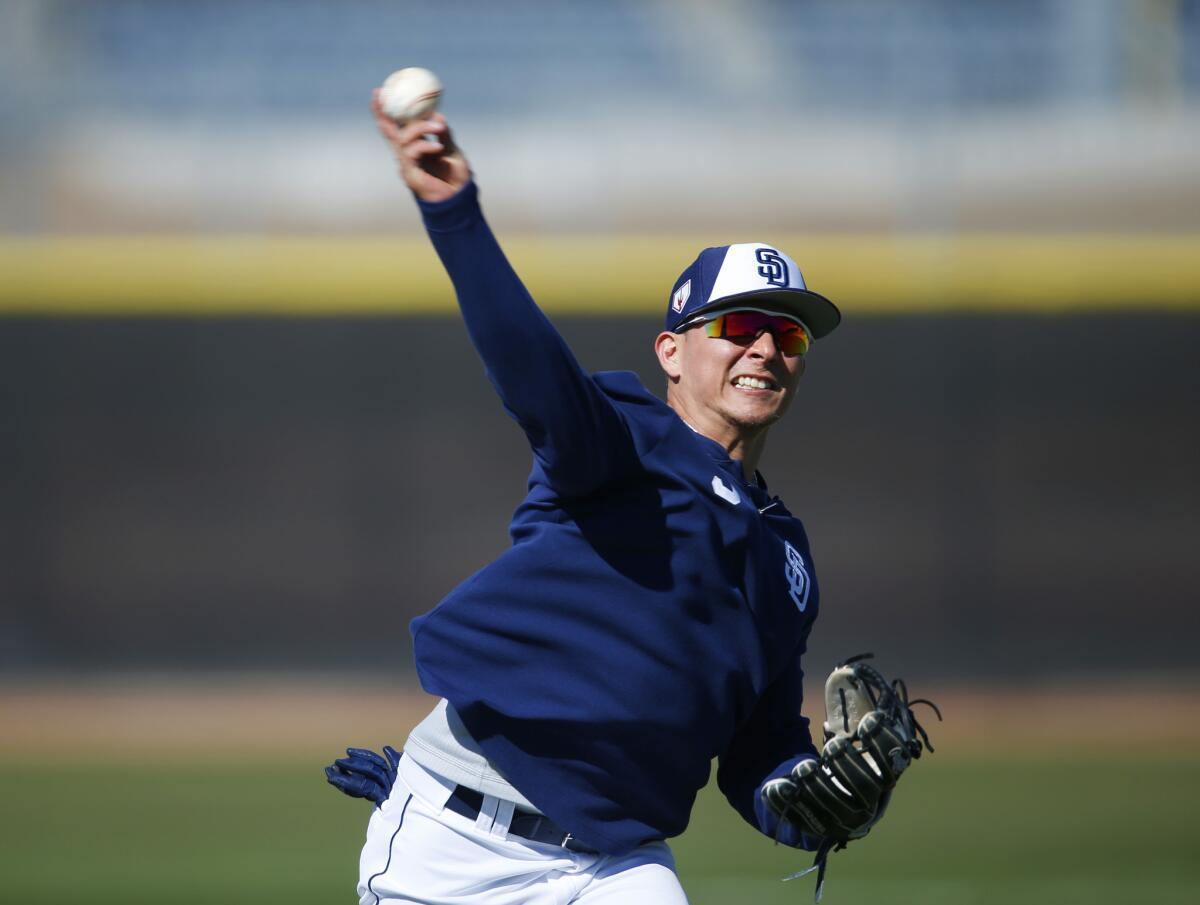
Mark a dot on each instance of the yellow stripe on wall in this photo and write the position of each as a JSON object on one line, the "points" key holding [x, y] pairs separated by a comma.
{"points": [[587, 275]]}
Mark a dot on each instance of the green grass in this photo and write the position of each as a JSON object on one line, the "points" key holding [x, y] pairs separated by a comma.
{"points": [[973, 833], [963, 832]]}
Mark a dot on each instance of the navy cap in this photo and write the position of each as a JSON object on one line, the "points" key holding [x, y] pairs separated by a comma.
{"points": [[749, 275]]}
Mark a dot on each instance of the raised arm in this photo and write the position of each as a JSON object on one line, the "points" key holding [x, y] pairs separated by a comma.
{"points": [[574, 429]]}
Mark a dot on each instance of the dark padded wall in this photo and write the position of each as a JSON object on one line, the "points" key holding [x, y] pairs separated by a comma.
{"points": [[990, 495]]}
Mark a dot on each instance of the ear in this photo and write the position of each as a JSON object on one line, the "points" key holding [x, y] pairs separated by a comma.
{"points": [[669, 351]]}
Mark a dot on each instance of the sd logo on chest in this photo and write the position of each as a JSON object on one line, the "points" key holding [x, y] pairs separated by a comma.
{"points": [[796, 576]]}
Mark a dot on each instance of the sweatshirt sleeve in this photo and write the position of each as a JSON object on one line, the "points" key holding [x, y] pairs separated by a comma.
{"points": [[575, 430], [768, 746]]}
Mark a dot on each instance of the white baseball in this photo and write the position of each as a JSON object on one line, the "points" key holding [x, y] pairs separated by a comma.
{"points": [[411, 93]]}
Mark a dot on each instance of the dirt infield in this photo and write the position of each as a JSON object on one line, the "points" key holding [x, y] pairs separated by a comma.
{"points": [[300, 718]]}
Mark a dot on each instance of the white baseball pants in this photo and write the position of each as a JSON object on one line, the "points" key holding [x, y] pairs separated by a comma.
{"points": [[417, 851]]}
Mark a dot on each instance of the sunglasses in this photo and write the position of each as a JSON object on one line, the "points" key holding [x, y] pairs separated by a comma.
{"points": [[791, 335]]}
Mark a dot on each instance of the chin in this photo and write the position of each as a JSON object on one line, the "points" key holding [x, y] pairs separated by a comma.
{"points": [[754, 420]]}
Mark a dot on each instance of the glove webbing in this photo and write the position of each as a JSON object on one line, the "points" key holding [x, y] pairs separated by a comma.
{"points": [[888, 697]]}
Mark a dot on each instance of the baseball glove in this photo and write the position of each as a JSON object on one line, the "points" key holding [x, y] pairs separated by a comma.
{"points": [[871, 737]]}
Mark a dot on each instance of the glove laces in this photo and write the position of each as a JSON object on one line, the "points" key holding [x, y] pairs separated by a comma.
{"points": [[819, 864]]}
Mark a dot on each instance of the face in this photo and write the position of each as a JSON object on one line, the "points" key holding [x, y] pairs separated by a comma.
{"points": [[746, 383]]}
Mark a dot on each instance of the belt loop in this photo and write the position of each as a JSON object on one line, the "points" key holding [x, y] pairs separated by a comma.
{"points": [[487, 814], [503, 818]]}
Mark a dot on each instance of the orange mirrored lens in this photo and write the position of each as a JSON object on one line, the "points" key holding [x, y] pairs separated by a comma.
{"points": [[792, 338]]}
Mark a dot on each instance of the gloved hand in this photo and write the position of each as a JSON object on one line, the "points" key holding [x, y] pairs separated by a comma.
{"points": [[872, 737], [364, 774]]}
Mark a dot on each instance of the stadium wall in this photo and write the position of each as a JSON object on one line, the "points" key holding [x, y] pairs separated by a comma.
{"points": [[998, 491]]}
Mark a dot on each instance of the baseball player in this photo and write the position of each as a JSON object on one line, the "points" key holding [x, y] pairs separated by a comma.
{"points": [[650, 615]]}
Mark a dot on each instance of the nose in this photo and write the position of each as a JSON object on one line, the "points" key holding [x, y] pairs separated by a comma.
{"points": [[765, 345]]}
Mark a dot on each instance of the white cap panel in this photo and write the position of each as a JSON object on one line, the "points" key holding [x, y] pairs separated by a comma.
{"points": [[755, 267]]}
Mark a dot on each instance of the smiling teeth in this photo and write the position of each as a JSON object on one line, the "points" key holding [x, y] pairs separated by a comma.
{"points": [[752, 382]]}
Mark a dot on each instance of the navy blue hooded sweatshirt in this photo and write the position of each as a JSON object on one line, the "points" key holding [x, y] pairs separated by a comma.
{"points": [[652, 610]]}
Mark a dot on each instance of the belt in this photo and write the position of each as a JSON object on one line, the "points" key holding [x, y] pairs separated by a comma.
{"points": [[526, 824]]}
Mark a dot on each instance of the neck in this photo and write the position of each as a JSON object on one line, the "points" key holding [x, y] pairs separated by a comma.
{"points": [[744, 445]]}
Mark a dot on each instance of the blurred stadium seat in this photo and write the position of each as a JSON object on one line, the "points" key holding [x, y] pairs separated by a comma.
{"points": [[202, 115], [226, 58]]}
